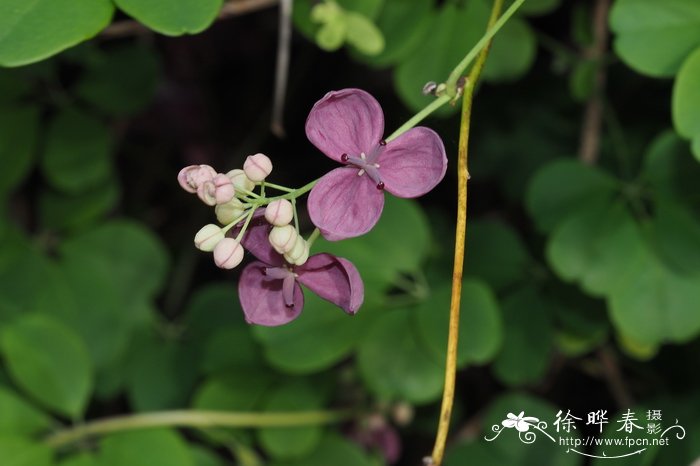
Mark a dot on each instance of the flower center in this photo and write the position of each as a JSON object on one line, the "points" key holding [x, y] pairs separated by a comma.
{"points": [[288, 277], [367, 163]]}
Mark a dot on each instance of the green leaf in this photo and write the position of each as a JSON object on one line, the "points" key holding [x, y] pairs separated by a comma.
{"points": [[393, 362], [145, 448], [230, 348], [402, 228], [240, 391], [32, 31], [655, 37], [363, 34], [81, 459], [592, 246], [582, 80], [495, 254], [319, 338], [19, 128], [453, 33], [686, 99], [527, 339], [671, 170], [562, 187], [209, 309], [676, 238], [77, 153], [19, 451], [331, 35], [480, 326], [367, 8], [291, 442], [70, 212], [49, 361], [18, 416], [332, 450], [654, 304], [539, 7], [172, 19], [404, 25], [106, 85]]}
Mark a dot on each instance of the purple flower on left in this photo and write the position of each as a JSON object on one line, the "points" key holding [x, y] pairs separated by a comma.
{"points": [[269, 289], [347, 126]]}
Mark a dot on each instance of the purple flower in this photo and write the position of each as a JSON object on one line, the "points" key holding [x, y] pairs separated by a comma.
{"points": [[269, 288], [347, 126]]}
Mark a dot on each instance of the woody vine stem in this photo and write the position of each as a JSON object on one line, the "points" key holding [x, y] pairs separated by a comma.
{"points": [[451, 92]]}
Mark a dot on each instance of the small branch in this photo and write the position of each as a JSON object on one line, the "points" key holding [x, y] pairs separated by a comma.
{"points": [[460, 244], [193, 419], [613, 376], [229, 9], [593, 116], [282, 67]]}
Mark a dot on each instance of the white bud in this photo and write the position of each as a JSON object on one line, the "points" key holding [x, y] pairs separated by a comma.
{"points": [[257, 167], [283, 238], [228, 253], [239, 180], [208, 237], [279, 212], [227, 213], [299, 254]]}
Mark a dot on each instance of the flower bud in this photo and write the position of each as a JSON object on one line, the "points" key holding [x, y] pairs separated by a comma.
{"points": [[208, 237], [228, 253], [240, 180], [299, 254], [279, 212], [194, 176], [283, 238], [230, 211], [224, 191], [257, 167]]}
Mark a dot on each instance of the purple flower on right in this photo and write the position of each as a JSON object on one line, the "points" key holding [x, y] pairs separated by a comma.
{"points": [[348, 126]]}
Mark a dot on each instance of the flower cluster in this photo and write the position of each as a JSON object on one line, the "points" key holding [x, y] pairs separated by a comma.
{"points": [[346, 126]]}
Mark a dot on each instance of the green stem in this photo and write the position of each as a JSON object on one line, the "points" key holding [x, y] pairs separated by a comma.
{"points": [[458, 71], [194, 419], [280, 187], [312, 237], [294, 194], [245, 225], [418, 117]]}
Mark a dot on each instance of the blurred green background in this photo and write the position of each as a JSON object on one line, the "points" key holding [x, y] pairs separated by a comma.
{"points": [[582, 279]]}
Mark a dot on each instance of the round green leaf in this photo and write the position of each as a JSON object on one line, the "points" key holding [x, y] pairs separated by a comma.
{"points": [[495, 254], [363, 34], [147, 447], [331, 35], [64, 211], [671, 169], [49, 361], [77, 153], [676, 238], [654, 37], [18, 416], [18, 135], [291, 442], [172, 18], [593, 245], [230, 348], [34, 30], [81, 459], [394, 363], [20, 451], [686, 99], [108, 87], [527, 339], [367, 8], [319, 338], [539, 7], [562, 187], [480, 327], [333, 450]]}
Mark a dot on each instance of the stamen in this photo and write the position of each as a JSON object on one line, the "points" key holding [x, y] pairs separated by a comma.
{"points": [[380, 185], [361, 172], [382, 142], [344, 158], [363, 156]]}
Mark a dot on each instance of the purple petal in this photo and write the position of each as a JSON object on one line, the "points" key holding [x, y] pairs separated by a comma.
{"points": [[343, 205], [349, 121], [335, 279], [256, 240], [262, 298], [412, 164]]}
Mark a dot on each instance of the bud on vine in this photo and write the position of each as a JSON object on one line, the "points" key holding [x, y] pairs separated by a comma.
{"points": [[257, 167], [208, 237], [240, 180], [228, 253], [279, 212], [230, 211], [283, 238]]}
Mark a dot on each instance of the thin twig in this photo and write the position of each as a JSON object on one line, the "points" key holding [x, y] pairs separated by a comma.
{"points": [[460, 244], [613, 376], [593, 116], [282, 67], [229, 9]]}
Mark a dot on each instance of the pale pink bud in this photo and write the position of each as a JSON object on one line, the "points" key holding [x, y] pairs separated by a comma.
{"points": [[208, 237], [299, 254], [279, 212], [283, 238], [194, 176], [230, 211], [207, 193], [224, 189], [228, 253], [239, 180], [257, 167]]}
